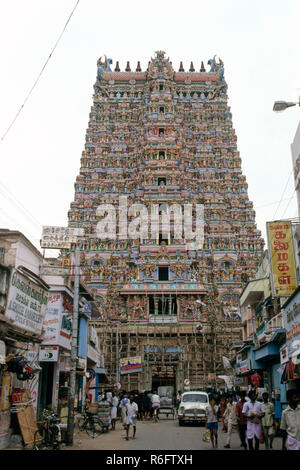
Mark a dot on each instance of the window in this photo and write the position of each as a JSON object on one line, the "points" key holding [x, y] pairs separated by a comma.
{"points": [[161, 154], [162, 109], [163, 273], [161, 87], [1, 255], [161, 239], [161, 131], [161, 180], [195, 397]]}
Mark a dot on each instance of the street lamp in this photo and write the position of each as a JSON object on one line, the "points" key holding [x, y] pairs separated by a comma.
{"points": [[282, 105]]}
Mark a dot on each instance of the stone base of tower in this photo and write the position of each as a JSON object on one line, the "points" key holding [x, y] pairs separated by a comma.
{"points": [[170, 354]]}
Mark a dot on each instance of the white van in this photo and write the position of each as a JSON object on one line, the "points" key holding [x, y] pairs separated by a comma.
{"points": [[192, 407]]}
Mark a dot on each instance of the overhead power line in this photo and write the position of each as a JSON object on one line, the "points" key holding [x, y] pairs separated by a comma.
{"points": [[40, 74], [9, 196], [283, 194]]}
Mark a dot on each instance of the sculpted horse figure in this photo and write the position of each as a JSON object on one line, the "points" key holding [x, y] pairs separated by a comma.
{"points": [[103, 66]]}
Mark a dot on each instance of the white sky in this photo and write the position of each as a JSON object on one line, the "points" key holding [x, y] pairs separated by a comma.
{"points": [[258, 41]]}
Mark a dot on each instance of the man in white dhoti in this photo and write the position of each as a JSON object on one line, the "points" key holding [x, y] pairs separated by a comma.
{"points": [[131, 412], [123, 403], [254, 411], [113, 411]]}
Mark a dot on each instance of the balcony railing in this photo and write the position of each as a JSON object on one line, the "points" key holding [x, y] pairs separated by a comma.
{"points": [[275, 323]]}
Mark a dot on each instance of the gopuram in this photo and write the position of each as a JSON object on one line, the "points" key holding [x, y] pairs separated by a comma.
{"points": [[165, 137]]}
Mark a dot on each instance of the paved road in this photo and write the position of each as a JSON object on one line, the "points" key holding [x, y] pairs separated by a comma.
{"points": [[165, 435]]}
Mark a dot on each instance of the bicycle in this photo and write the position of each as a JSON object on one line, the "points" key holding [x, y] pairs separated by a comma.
{"points": [[48, 436], [90, 423]]}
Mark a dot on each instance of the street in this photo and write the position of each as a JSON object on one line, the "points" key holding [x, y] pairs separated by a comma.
{"points": [[165, 435]]}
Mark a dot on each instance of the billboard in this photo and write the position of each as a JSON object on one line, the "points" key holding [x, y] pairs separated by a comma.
{"points": [[27, 302], [129, 365], [60, 237], [281, 255]]}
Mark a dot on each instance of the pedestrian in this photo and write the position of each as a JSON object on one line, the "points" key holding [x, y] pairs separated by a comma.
{"points": [[131, 413], [222, 411], [241, 419], [140, 403], [290, 421], [267, 421], [147, 405], [123, 403], [155, 400], [113, 411], [231, 418], [254, 411], [212, 422], [178, 399]]}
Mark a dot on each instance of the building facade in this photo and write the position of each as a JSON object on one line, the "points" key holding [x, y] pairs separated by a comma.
{"points": [[159, 138]]}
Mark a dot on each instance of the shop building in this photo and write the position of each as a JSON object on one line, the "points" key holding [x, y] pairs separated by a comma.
{"points": [[290, 351], [55, 351], [23, 303]]}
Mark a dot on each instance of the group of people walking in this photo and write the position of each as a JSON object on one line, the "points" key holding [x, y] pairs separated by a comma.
{"points": [[133, 406], [254, 420]]}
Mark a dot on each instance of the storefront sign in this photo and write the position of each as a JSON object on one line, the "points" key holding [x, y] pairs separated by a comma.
{"points": [[93, 355], [2, 352], [5, 391], [130, 364], [27, 302], [294, 331], [58, 322], [48, 354], [60, 237], [243, 366], [33, 384], [281, 257], [292, 325], [284, 355]]}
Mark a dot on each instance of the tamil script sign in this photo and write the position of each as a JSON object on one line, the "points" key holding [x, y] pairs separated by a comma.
{"points": [[60, 237], [27, 302], [130, 364], [281, 257]]}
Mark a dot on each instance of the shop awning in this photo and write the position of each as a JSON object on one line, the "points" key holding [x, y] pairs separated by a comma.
{"points": [[267, 352], [279, 335]]}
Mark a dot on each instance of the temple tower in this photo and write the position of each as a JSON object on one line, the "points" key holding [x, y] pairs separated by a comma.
{"points": [[157, 138]]}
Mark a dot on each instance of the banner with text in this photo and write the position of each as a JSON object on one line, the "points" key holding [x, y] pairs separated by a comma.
{"points": [[281, 255], [129, 365]]}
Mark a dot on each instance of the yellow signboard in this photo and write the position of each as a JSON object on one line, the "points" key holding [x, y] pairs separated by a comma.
{"points": [[281, 257]]}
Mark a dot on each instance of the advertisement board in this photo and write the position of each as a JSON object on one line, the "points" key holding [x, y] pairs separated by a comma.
{"points": [[281, 255], [48, 354], [27, 302], [129, 365], [60, 237]]}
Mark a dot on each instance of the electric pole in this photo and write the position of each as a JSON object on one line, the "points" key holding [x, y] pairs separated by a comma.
{"points": [[74, 352]]}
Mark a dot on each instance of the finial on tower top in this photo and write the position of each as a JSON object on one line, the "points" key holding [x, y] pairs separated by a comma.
{"points": [[202, 67], [181, 69], [160, 54], [138, 68], [192, 67], [128, 69], [117, 68]]}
